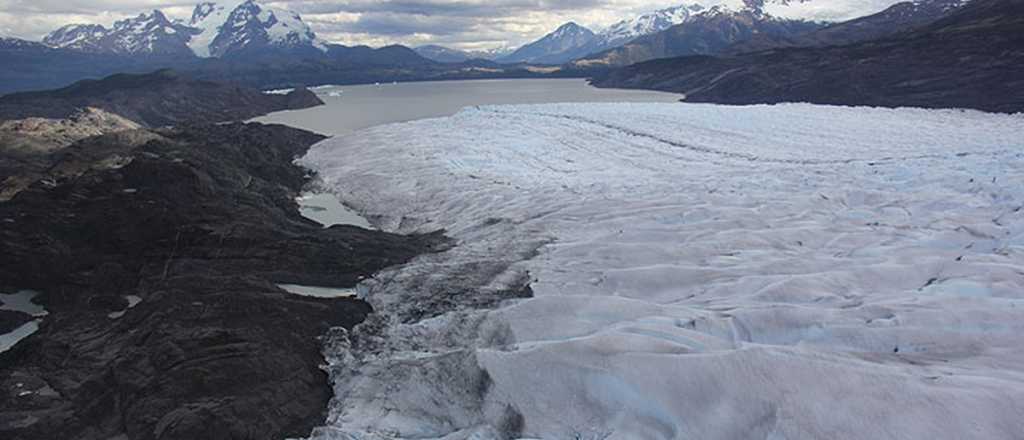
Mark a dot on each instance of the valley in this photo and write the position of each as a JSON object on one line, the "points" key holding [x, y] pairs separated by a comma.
{"points": [[374, 220]]}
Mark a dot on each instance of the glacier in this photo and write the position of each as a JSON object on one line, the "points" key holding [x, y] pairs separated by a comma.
{"points": [[683, 271]]}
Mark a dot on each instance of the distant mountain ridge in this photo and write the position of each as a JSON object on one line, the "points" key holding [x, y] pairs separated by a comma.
{"points": [[897, 18], [572, 41], [444, 54], [215, 30], [258, 46], [679, 30], [708, 32], [568, 42], [971, 58], [151, 33], [628, 30], [154, 99]]}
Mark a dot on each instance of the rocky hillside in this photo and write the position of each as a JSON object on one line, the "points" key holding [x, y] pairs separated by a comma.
{"points": [[971, 59], [154, 99], [895, 19], [44, 135], [157, 254], [26, 144]]}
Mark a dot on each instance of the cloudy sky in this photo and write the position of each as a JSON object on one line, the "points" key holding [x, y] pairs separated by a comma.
{"points": [[467, 24]]}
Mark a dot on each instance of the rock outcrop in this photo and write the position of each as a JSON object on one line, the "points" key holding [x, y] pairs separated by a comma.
{"points": [[156, 99], [197, 224], [25, 144]]}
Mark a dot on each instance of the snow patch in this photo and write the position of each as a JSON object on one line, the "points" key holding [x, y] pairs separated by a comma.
{"points": [[132, 302], [209, 18], [283, 28]]}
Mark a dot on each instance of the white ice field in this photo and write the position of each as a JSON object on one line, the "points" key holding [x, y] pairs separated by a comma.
{"points": [[699, 272]]}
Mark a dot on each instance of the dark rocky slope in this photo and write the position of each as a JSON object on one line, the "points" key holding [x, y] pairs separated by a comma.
{"points": [[895, 19], [972, 58], [707, 33], [154, 99], [25, 144], [199, 222]]}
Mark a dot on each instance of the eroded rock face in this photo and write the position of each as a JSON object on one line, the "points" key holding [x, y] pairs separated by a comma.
{"points": [[45, 135], [200, 223], [26, 143]]}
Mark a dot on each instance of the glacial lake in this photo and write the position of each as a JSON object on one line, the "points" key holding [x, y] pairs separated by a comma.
{"points": [[350, 108]]}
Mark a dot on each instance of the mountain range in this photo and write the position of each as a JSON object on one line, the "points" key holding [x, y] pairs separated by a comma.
{"points": [[643, 37], [894, 19], [443, 54], [706, 32], [215, 30], [268, 47], [572, 41], [970, 57], [250, 43]]}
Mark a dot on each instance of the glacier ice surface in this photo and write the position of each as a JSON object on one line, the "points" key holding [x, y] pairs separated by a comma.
{"points": [[697, 271]]}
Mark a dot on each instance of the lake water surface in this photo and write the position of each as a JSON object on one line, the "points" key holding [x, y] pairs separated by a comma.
{"points": [[350, 108]]}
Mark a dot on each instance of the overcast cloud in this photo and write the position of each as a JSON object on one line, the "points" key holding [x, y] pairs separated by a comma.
{"points": [[467, 24]]}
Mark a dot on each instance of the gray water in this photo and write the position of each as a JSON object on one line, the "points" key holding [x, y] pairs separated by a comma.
{"points": [[318, 291], [350, 108], [325, 209], [20, 301]]}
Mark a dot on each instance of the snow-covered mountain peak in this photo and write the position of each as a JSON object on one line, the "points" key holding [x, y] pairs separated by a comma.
{"points": [[147, 33], [214, 30], [204, 10], [570, 29], [649, 23], [76, 36], [237, 25], [143, 23], [567, 42], [787, 9]]}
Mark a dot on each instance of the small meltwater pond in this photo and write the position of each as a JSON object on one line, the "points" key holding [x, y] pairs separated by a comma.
{"points": [[324, 208], [20, 301], [319, 292], [132, 302]]}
